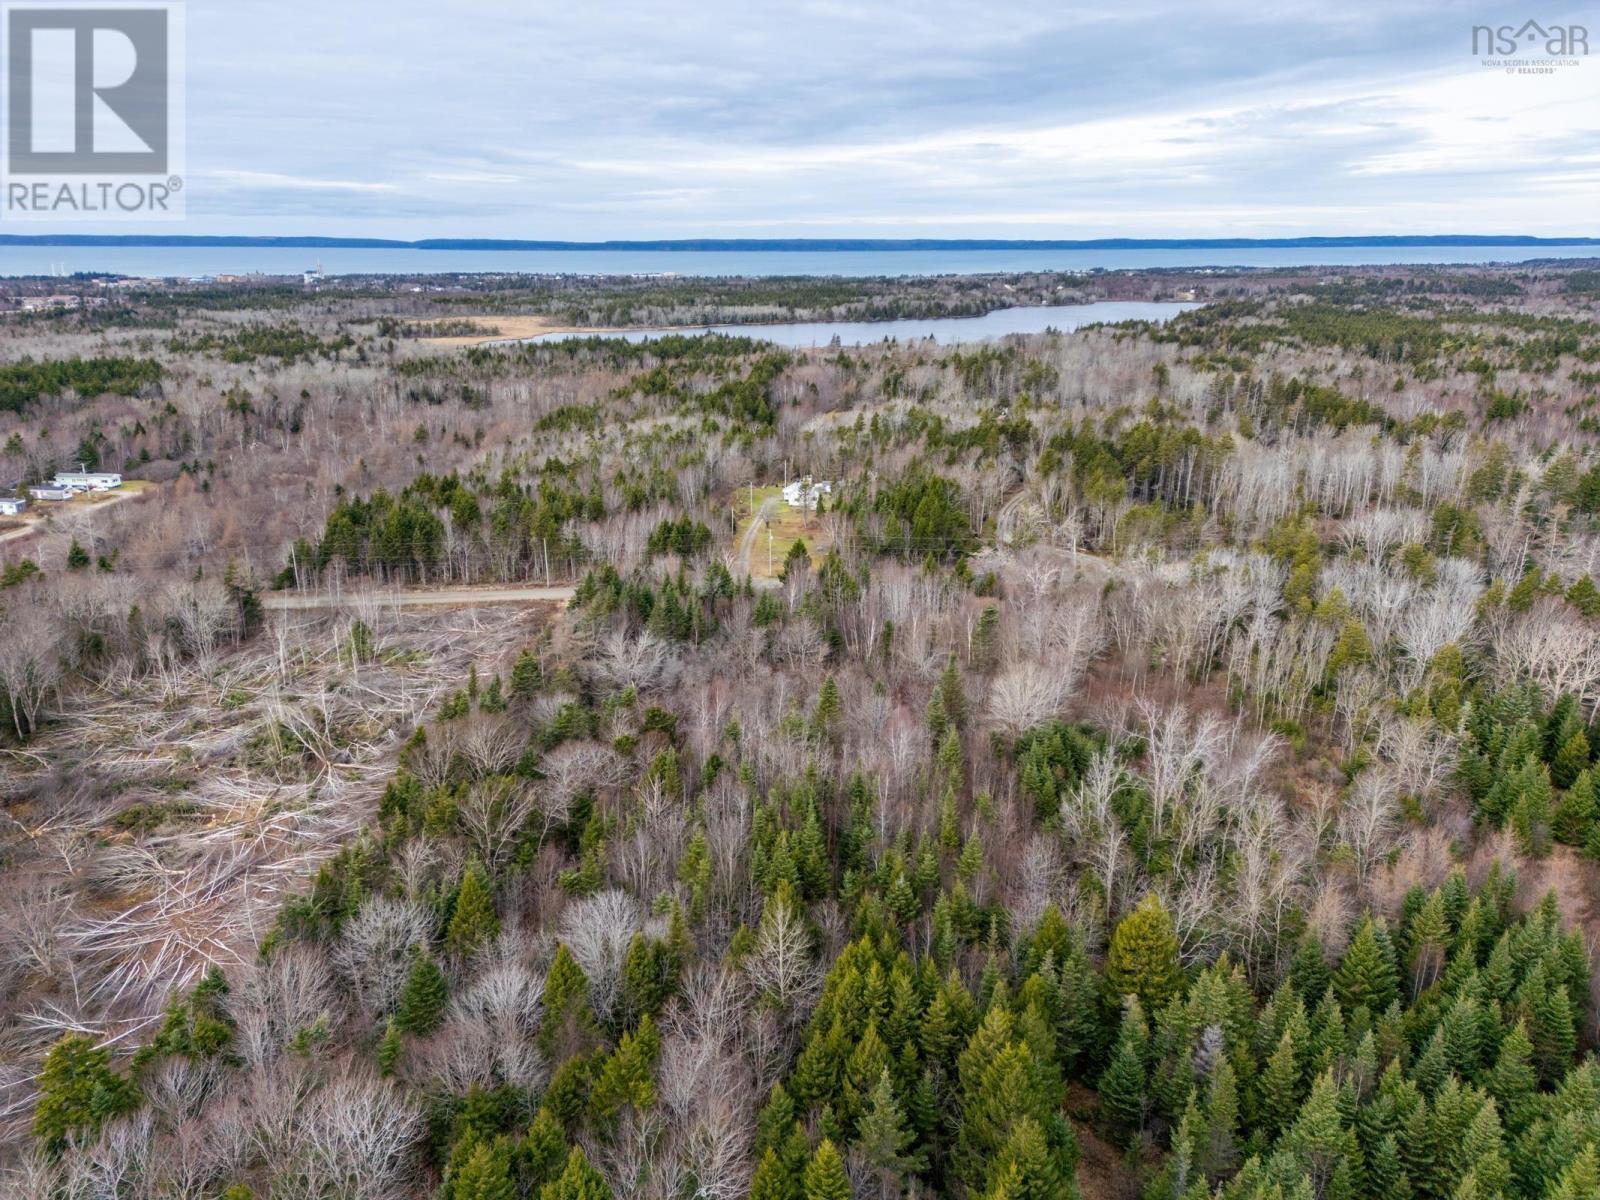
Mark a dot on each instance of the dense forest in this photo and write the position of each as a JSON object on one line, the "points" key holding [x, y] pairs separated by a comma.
{"points": [[1163, 763]]}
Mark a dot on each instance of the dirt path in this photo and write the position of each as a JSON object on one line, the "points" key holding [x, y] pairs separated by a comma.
{"points": [[452, 597], [747, 543]]}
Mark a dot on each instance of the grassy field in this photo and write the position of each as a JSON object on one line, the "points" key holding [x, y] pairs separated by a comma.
{"points": [[787, 526]]}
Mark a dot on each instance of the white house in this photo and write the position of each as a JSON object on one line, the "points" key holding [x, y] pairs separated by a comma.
{"points": [[12, 506], [50, 491], [93, 481], [804, 493]]}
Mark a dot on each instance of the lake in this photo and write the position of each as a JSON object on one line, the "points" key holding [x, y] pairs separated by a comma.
{"points": [[803, 334], [190, 261]]}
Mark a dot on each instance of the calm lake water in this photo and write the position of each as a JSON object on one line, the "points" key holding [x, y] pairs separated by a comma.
{"points": [[188, 262], [801, 334]]}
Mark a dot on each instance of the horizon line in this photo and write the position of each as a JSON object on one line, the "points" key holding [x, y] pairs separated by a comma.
{"points": [[714, 245]]}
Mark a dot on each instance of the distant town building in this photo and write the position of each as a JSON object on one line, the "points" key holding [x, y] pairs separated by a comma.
{"points": [[312, 277], [36, 303], [805, 493]]}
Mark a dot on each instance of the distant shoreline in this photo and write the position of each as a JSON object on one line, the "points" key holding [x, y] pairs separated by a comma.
{"points": [[734, 245]]}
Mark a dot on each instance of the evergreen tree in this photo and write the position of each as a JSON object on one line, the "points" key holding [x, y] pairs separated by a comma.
{"points": [[543, 1151], [577, 1181], [1280, 1085], [628, 1075], [825, 720], [423, 998], [78, 1091], [1321, 1145], [1142, 960], [390, 1048], [567, 1017], [824, 1177], [1123, 1083], [526, 677], [1532, 808], [1513, 1080], [486, 1173], [1308, 970], [1427, 943], [773, 1180], [1577, 812], [1219, 1149], [1581, 1178], [474, 921], [1367, 976], [1570, 759], [1034, 1170], [953, 695], [882, 1135]]}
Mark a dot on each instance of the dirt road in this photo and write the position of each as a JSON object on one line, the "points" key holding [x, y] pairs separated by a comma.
{"points": [[452, 597], [748, 541]]}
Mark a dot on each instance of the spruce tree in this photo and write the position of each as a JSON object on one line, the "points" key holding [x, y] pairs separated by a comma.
{"points": [[1142, 960], [1318, 1139], [1308, 970], [544, 1150], [525, 676], [1571, 758], [390, 1048], [567, 1016], [1280, 1085], [485, 1175], [1532, 807], [825, 720], [1427, 943], [773, 1180], [423, 998], [1035, 1170], [1550, 1027], [1577, 812], [1219, 1150], [577, 1181], [78, 1091], [1122, 1085], [473, 921], [882, 1135], [628, 1075], [1581, 1178], [824, 1177], [1367, 977]]}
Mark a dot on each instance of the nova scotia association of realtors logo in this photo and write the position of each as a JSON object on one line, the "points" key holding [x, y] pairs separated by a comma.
{"points": [[1530, 47], [93, 111]]}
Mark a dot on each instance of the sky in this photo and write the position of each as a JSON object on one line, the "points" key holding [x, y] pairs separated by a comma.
{"points": [[490, 118]]}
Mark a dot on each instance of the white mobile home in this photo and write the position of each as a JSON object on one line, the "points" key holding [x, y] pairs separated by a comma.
{"points": [[88, 481], [12, 506]]}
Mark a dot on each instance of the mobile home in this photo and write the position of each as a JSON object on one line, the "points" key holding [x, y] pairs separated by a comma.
{"points": [[88, 481], [12, 506]]}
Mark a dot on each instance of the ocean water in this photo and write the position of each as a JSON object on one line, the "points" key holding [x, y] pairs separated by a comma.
{"points": [[945, 330], [192, 261]]}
